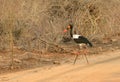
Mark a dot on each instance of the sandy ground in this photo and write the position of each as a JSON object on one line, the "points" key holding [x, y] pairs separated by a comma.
{"points": [[102, 68]]}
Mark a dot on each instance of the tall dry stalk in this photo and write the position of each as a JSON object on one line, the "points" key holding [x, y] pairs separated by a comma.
{"points": [[10, 26], [11, 42]]}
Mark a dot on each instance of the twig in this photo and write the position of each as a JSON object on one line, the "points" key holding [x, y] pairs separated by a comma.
{"points": [[48, 43]]}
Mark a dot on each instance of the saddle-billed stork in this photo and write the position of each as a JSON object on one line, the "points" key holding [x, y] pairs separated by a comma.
{"points": [[79, 39]]}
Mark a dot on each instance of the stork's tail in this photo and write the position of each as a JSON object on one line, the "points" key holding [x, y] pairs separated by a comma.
{"points": [[90, 44]]}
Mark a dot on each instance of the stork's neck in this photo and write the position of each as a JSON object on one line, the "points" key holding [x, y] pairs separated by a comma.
{"points": [[71, 33]]}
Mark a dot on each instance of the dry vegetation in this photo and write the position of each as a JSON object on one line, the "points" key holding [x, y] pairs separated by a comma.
{"points": [[37, 25], [43, 19]]}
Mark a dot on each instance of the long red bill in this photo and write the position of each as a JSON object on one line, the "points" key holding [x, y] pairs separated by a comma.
{"points": [[65, 31]]}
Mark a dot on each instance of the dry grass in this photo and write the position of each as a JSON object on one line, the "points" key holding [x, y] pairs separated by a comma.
{"points": [[39, 22]]}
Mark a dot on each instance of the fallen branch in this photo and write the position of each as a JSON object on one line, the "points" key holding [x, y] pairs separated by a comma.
{"points": [[56, 45]]}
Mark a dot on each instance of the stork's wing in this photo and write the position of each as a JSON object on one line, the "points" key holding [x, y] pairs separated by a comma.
{"points": [[85, 40]]}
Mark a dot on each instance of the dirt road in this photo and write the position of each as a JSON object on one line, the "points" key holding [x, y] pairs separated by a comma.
{"points": [[102, 68]]}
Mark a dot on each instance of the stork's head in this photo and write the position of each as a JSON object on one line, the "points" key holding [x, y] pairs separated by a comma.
{"points": [[69, 27]]}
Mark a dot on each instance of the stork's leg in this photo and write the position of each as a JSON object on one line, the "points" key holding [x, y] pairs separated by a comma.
{"points": [[84, 46], [86, 58], [75, 58]]}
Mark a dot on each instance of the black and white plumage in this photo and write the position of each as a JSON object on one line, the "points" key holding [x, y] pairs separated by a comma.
{"points": [[79, 39]]}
